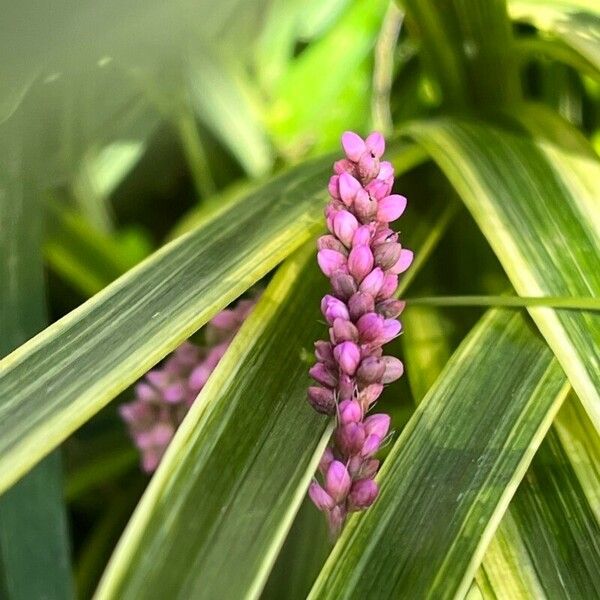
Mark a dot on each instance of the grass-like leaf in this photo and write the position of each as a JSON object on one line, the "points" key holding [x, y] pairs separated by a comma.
{"points": [[536, 203], [452, 472]]}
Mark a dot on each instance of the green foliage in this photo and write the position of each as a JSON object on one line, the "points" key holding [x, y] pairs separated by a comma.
{"points": [[162, 160]]}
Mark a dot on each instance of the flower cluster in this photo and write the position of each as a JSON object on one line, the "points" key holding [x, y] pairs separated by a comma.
{"points": [[166, 393], [362, 259]]}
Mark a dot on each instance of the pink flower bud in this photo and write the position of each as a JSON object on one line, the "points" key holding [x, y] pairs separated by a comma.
{"points": [[378, 425], [330, 242], [344, 226], [375, 144], [333, 309], [337, 481], [343, 331], [353, 145], [390, 309], [371, 370], [359, 304], [387, 254], [333, 187], [345, 387], [362, 495], [391, 329], [343, 166], [384, 235], [369, 468], [347, 355], [372, 283], [174, 393], [391, 207], [146, 392], [360, 262], [343, 284], [365, 207], [350, 438], [362, 236], [367, 167], [349, 187], [394, 369], [390, 285], [378, 189], [321, 499], [322, 400], [404, 261], [349, 411], [371, 445], [330, 261], [321, 374], [326, 460], [157, 378], [335, 518], [370, 327], [324, 353], [386, 171]]}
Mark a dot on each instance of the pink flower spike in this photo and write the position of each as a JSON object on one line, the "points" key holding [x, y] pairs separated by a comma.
{"points": [[330, 261], [391, 207], [347, 355], [344, 226], [360, 262], [349, 187], [353, 145], [375, 144], [321, 499], [405, 260]]}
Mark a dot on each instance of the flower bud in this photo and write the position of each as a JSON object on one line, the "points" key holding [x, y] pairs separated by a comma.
{"points": [[343, 331], [365, 208], [330, 242], [333, 309], [347, 354], [384, 235], [371, 370], [350, 438], [390, 285], [390, 309], [330, 261], [157, 378], [378, 189], [324, 353], [378, 424], [322, 400], [362, 236], [371, 444], [343, 166], [345, 387], [146, 392], [370, 327], [337, 481], [349, 188], [404, 261], [326, 460], [174, 393], [369, 468], [391, 329], [375, 144], [344, 226], [360, 262], [372, 283], [391, 207], [321, 374], [333, 187], [386, 171], [321, 499], [353, 145], [349, 411], [343, 284], [387, 254], [393, 369], [336, 517], [359, 304], [367, 167], [362, 495]]}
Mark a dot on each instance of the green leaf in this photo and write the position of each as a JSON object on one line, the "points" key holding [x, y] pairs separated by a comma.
{"points": [[233, 478], [34, 545], [452, 472], [45, 386], [467, 45], [576, 23], [535, 201]]}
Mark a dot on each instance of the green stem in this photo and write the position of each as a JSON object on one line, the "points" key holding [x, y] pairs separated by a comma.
{"points": [[565, 302]]}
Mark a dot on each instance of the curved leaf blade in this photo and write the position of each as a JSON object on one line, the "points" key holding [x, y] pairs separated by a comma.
{"points": [[536, 202]]}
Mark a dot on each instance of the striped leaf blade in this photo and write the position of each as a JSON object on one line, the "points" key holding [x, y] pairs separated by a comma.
{"points": [[535, 199]]}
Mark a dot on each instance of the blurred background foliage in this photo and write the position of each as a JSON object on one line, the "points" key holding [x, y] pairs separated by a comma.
{"points": [[129, 123]]}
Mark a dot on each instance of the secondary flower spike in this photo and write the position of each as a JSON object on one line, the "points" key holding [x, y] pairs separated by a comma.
{"points": [[164, 396], [362, 258]]}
